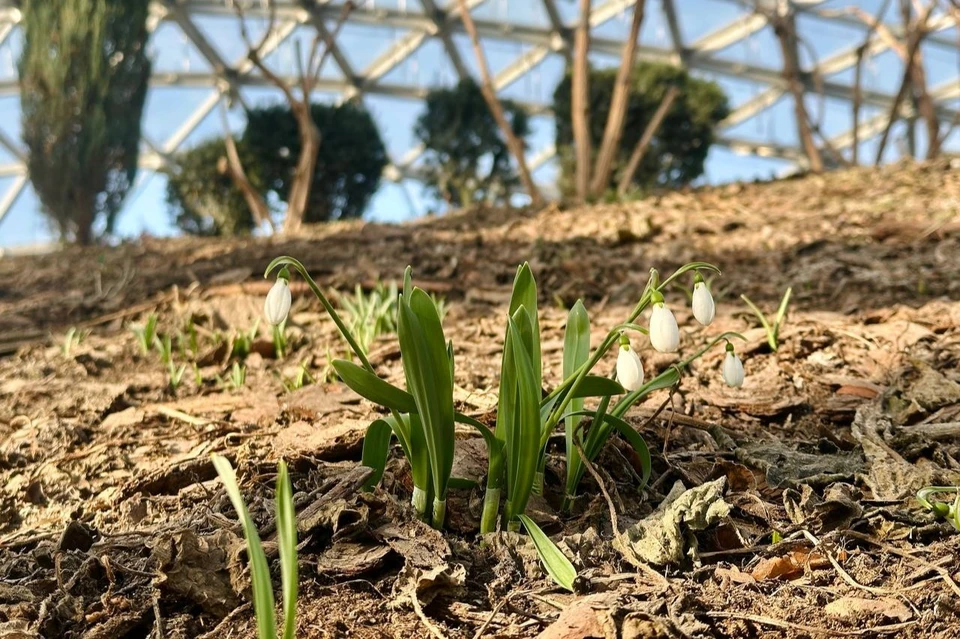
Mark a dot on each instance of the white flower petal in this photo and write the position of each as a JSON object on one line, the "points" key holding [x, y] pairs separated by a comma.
{"points": [[704, 308], [733, 370], [664, 333], [277, 305], [629, 369]]}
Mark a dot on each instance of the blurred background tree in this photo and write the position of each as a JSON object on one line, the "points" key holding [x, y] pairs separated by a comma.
{"points": [[203, 198], [83, 74], [351, 158], [678, 150], [467, 159]]}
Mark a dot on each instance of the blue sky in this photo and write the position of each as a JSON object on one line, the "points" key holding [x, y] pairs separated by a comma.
{"points": [[168, 107]]}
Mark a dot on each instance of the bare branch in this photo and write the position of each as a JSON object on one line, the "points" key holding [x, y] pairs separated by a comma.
{"points": [[618, 106], [234, 168], [917, 31], [329, 39], [641, 149]]}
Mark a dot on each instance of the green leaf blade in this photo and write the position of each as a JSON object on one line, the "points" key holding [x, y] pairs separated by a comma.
{"points": [[555, 562]]}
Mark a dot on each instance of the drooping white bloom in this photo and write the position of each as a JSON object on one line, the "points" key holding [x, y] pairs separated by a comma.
{"points": [[704, 308], [664, 333], [277, 305], [629, 369], [732, 369]]}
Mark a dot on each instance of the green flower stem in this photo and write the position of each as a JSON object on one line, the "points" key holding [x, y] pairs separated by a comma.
{"points": [[648, 292], [491, 508], [420, 504], [295, 263], [631, 398]]}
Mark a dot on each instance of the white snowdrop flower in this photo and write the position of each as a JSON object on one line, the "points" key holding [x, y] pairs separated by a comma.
{"points": [[629, 367], [664, 333], [732, 368], [277, 305], [704, 308]]}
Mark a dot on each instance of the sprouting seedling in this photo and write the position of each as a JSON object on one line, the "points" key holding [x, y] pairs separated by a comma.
{"points": [[264, 605], [422, 416], [146, 333], [238, 376], [243, 342], [950, 512], [175, 375], [301, 379], [189, 340], [72, 339], [773, 330], [164, 346]]}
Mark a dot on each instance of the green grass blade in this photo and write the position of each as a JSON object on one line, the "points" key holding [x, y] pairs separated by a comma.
{"points": [[555, 562], [376, 448], [287, 544], [367, 385], [263, 602]]}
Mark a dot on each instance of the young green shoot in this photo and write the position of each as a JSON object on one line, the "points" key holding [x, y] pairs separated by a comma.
{"points": [[943, 510], [71, 340], [238, 376], [264, 605], [772, 328], [146, 333], [301, 379]]}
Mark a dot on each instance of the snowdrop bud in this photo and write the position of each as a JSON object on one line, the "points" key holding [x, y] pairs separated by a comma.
{"points": [[629, 367], [664, 334], [732, 368], [704, 309], [277, 305]]}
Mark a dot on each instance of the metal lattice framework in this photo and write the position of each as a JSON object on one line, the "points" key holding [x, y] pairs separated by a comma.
{"points": [[425, 20]]}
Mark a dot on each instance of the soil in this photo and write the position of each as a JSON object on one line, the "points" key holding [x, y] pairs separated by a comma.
{"points": [[113, 523]]}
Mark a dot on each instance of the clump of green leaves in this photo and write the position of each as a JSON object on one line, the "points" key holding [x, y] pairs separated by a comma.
{"points": [[146, 333], [264, 605], [370, 314], [943, 510], [772, 328], [422, 417]]}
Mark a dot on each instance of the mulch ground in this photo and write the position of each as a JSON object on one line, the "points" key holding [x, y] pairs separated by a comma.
{"points": [[113, 524]]}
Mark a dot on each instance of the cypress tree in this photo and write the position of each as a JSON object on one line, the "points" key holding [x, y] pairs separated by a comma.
{"points": [[83, 83]]}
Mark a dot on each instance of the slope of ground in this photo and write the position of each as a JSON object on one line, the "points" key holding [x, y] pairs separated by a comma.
{"points": [[113, 525]]}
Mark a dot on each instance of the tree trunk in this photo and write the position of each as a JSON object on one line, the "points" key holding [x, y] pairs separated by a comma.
{"points": [[496, 109], [303, 174], [785, 29], [618, 107], [580, 101]]}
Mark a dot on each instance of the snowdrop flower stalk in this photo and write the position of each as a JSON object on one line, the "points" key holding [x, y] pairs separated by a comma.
{"points": [[277, 305], [664, 333], [732, 368], [629, 366], [704, 308]]}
